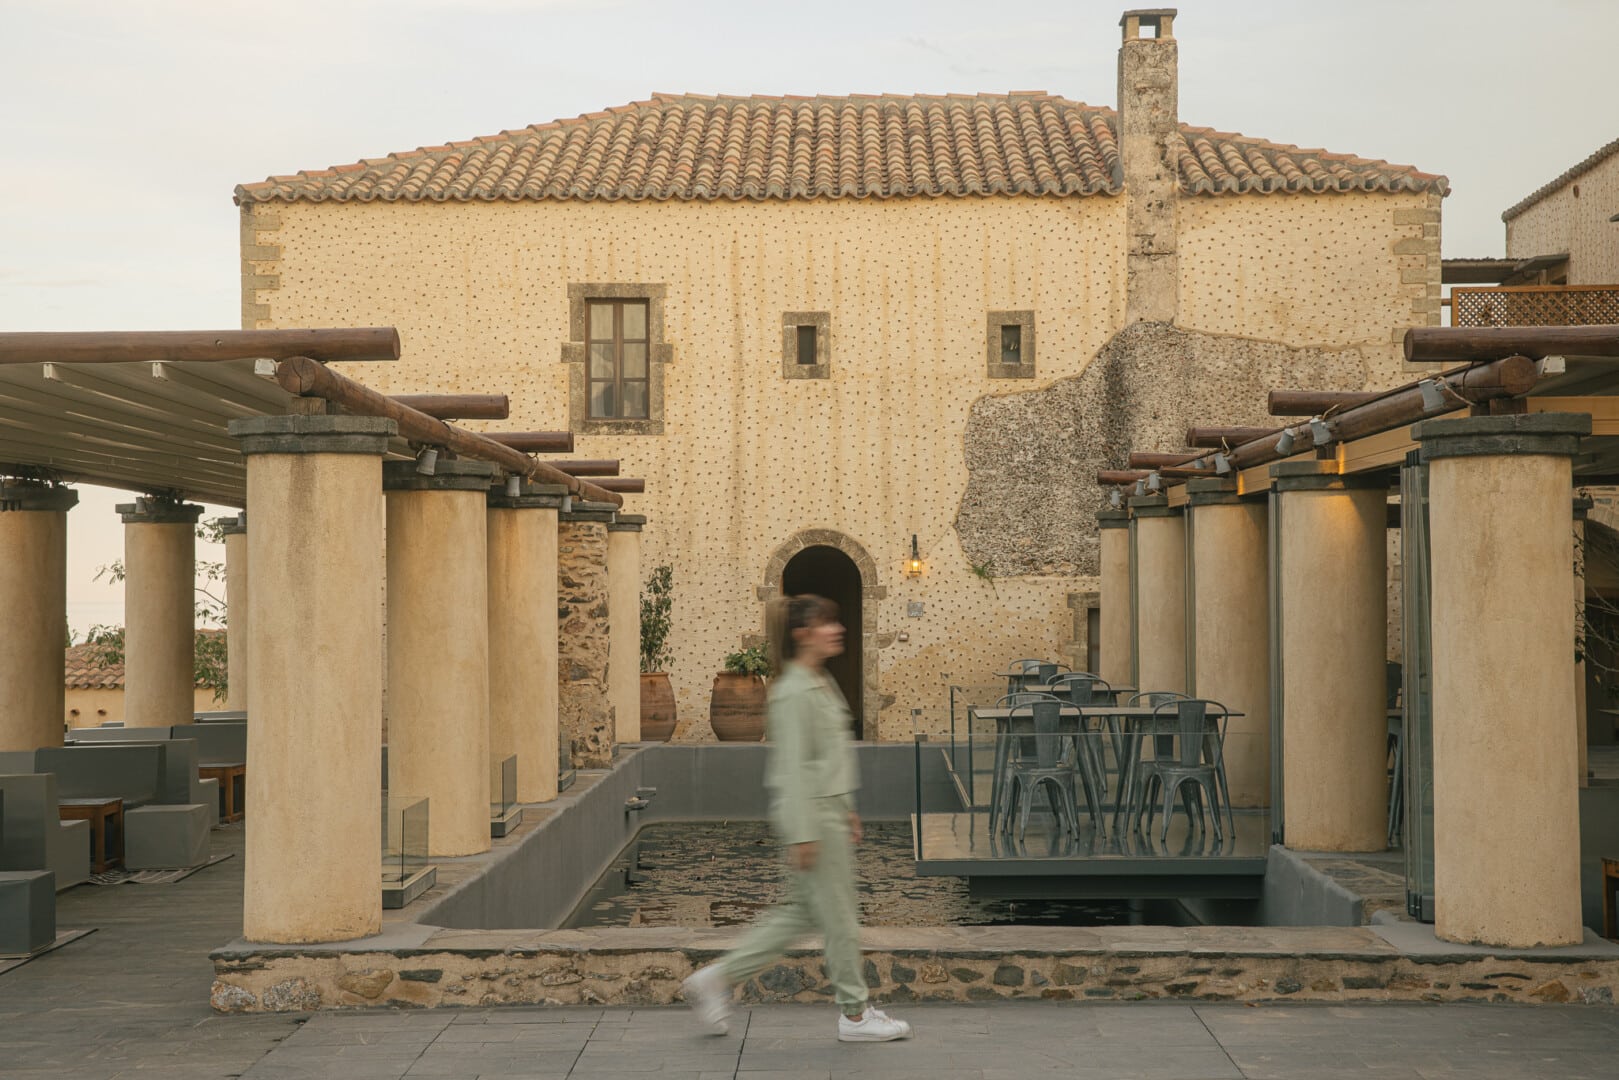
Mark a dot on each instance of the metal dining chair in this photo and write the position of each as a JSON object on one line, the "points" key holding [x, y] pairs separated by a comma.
{"points": [[1037, 761], [1189, 739], [1081, 688], [1001, 755], [1128, 740], [1027, 674]]}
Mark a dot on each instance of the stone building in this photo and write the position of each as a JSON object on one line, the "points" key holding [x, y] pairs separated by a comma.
{"points": [[830, 331], [1570, 223]]}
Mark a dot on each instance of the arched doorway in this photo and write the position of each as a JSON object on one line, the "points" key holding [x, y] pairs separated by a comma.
{"points": [[827, 571]]}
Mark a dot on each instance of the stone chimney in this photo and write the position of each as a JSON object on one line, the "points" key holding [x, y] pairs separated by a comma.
{"points": [[1148, 123]]}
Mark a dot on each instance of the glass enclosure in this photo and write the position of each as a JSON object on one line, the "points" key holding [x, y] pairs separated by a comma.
{"points": [[404, 838], [502, 786], [1415, 757]]}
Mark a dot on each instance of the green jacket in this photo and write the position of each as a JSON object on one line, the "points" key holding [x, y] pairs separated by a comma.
{"points": [[809, 728]]}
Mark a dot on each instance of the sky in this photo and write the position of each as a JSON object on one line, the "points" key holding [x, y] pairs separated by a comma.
{"points": [[126, 125]]}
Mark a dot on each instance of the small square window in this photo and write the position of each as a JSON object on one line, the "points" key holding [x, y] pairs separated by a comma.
{"points": [[1011, 344], [1009, 341], [806, 345]]}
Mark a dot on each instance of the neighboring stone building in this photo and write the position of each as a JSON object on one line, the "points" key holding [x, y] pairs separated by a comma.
{"points": [[95, 691], [1569, 224], [823, 326]]}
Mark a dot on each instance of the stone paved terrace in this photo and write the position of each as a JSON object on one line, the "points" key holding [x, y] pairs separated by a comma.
{"points": [[131, 1001]]}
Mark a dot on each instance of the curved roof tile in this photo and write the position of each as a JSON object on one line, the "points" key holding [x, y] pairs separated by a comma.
{"points": [[760, 148]]}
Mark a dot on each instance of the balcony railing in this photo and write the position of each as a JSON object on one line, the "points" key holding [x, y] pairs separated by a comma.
{"points": [[1534, 305]]}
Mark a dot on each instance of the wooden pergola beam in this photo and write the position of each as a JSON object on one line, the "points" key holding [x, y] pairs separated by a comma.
{"points": [[170, 346], [1315, 402], [1425, 344], [624, 485], [1121, 476], [588, 467], [1146, 459], [535, 442], [458, 406], [306, 377]]}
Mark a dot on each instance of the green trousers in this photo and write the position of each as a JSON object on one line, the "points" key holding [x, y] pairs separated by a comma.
{"points": [[822, 898]]}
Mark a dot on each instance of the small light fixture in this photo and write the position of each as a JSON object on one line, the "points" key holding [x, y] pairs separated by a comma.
{"points": [[1141, 488], [1284, 445], [1155, 484], [1319, 432], [427, 461], [1222, 465], [514, 486], [1432, 399], [567, 504], [913, 565], [1115, 499]]}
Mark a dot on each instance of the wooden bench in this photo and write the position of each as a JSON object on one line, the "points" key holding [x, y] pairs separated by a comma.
{"points": [[106, 818], [232, 779]]}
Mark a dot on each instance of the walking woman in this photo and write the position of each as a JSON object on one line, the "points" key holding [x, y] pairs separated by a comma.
{"points": [[811, 777]]}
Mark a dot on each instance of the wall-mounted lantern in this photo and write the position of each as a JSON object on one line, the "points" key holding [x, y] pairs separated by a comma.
{"points": [[913, 565]]}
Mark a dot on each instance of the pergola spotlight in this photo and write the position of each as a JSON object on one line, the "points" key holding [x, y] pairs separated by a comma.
{"points": [[1155, 484], [1141, 488], [514, 486], [567, 504], [1433, 400], [1320, 434], [1284, 445], [427, 461], [1115, 499], [1222, 465]]}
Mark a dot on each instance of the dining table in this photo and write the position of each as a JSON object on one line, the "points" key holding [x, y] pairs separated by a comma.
{"points": [[1073, 720]]}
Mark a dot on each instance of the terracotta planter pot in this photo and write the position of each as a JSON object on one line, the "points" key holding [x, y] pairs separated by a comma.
{"points": [[736, 711], [657, 707]]}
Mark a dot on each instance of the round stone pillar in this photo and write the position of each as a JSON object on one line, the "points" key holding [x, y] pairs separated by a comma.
{"points": [[1231, 620], [313, 862], [33, 612], [1116, 646], [1334, 648], [624, 615], [523, 635], [160, 621], [1159, 557], [438, 647], [584, 708], [1506, 798], [234, 530]]}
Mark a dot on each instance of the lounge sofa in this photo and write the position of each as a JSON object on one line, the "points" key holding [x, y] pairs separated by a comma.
{"points": [[33, 837]]}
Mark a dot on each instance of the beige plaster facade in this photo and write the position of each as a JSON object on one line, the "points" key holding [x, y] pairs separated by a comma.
{"points": [[94, 706], [1573, 218], [479, 292]]}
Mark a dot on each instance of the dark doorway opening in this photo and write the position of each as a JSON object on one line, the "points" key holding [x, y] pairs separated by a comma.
{"points": [[828, 572]]}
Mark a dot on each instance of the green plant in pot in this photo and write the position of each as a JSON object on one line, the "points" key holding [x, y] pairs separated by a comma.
{"points": [[657, 693], [736, 711]]}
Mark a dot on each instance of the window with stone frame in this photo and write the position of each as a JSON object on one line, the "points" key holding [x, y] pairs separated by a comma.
{"points": [[1009, 341], [615, 358], [806, 345]]}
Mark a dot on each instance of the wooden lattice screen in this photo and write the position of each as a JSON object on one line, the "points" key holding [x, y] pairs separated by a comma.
{"points": [[1535, 305]]}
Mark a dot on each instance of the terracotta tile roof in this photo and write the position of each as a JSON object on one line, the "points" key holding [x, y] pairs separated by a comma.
{"points": [[710, 148], [83, 673], [1603, 154]]}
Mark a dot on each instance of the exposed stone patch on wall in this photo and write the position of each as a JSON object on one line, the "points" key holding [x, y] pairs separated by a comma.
{"points": [[584, 712], [1031, 458], [579, 972], [261, 264]]}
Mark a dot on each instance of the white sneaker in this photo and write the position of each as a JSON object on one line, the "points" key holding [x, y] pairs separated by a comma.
{"points": [[709, 996], [873, 1026]]}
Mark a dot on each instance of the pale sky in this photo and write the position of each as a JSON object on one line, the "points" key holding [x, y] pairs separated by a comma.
{"points": [[126, 125]]}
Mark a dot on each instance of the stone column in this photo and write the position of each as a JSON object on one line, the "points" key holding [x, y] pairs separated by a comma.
{"points": [[1231, 567], [1116, 644], [314, 843], [584, 706], [1506, 798], [160, 621], [33, 612], [624, 612], [1334, 627], [1160, 571], [438, 647], [523, 635], [234, 529]]}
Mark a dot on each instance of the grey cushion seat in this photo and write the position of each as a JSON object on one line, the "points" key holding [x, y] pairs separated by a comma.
{"points": [[33, 837]]}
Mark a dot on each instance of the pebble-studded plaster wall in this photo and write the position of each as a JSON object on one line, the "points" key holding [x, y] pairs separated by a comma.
{"points": [[877, 451], [1576, 224], [1030, 503]]}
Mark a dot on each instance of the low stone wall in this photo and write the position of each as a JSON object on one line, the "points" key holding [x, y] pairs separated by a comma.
{"points": [[618, 966]]}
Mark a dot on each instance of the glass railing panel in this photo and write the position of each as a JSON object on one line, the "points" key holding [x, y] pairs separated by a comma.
{"points": [[502, 785], [404, 837]]}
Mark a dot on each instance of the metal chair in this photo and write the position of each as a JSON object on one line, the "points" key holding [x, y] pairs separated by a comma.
{"points": [[1127, 742], [1037, 760], [1189, 738], [1023, 674], [1081, 688], [1000, 756]]}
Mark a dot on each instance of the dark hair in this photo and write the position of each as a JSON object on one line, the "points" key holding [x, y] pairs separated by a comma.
{"points": [[790, 613]]}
